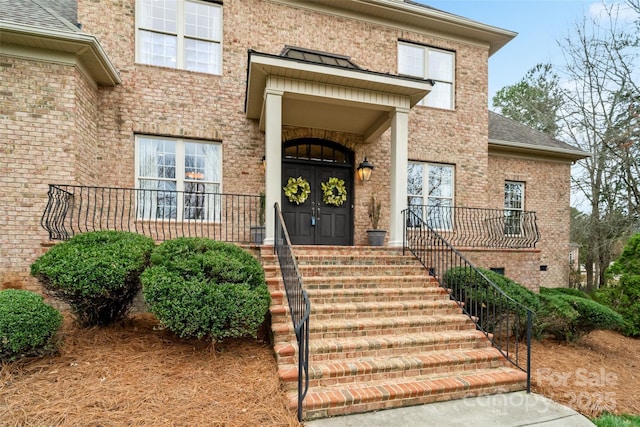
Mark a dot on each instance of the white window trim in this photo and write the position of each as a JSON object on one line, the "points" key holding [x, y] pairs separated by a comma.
{"points": [[521, 209], [425, 186], [179, 180], [180, 35], [423, 101]]}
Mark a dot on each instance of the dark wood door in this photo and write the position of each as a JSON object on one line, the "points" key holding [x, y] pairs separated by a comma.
{"points": [[315, 222]]}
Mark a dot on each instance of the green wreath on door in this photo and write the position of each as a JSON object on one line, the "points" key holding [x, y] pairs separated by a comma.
{"points": [[334, 191], [297, 190]]}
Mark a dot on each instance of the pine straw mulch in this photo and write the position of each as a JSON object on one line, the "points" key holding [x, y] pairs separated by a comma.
{"points": [[136, 374], [599, 373]]}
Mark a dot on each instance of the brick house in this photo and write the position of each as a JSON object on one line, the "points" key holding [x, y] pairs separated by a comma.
{"points": [[88, 88], [159, 115]]}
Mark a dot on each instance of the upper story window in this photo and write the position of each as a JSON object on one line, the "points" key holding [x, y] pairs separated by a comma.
{"points": [[513, 207], [180, 179], [430, 190], [185, 34], [430, 63]]}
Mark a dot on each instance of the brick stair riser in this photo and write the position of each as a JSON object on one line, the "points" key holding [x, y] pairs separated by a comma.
{"points": [[318, 330], [328, 296], [360, 270], [359, 260], [321, 312], [368, 282], [333, 251], [331, 410], [323, 356], [323, 379]]}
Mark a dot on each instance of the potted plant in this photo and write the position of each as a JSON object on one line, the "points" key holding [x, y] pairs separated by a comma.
{"points": [[375, 235], [258, 231]]}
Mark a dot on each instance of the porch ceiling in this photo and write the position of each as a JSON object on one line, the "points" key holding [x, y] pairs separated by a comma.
{"points": [[329, 97]]}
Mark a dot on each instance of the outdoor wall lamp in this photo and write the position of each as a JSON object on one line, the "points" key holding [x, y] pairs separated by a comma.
{"points": [[364, 170]]}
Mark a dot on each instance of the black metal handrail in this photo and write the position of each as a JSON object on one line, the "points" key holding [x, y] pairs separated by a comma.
{"points": [[502, 319], [299, 305], [159, 214], [480, 227]]}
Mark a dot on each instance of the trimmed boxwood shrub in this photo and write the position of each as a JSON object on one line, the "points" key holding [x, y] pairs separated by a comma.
{"points": [[568, 317], [491, 309], [27, 325], [202, 288], [566, 314], [96, 273]]}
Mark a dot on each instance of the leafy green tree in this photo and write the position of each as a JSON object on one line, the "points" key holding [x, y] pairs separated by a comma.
{"points": [[534, 101]]}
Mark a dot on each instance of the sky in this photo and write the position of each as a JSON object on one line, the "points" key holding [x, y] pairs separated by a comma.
{"points": [[540, 24]]}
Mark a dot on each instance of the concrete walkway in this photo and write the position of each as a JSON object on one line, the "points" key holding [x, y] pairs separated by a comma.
{"points": [[499, 410]]}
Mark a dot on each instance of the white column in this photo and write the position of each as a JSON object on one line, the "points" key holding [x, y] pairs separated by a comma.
{"points": [[399, 160], [273, 154]]}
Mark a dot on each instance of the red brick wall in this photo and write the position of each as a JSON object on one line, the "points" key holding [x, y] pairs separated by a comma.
{"points": [[48, 130], [547, 192]]}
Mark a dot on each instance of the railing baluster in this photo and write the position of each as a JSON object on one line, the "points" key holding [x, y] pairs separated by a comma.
{"points": [[299, 305], [494, 313], [73, 209]]}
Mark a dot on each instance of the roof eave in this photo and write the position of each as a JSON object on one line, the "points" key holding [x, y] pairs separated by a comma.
{"points": [[420, 16], [85, 46], [529, 149]]}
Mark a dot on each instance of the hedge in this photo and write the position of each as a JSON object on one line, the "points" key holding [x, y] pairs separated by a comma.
{"points": [[28, 326], [96, 273], [201, 288]]}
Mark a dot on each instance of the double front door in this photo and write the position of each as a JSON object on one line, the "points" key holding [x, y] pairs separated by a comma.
{"points": [[314, 221]]}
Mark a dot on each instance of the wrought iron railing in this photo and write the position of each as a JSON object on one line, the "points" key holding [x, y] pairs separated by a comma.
{"points": [[479, 227], [160, 214], [504, 321], [299, 305]]}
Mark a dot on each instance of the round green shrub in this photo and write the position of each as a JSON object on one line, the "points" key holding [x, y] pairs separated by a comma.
{"points": [[96, 273], [568, 317], [202, 288], [27, 325]]}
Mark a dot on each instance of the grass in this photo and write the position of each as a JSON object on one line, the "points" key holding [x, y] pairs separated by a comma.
{"points": [[609, 420]]}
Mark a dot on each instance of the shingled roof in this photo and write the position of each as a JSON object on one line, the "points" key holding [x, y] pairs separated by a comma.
{"points": [[60, 15], [508, 135], [29, 26]]}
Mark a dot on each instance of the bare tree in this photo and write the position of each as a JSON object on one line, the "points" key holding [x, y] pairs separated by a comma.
{"points": [[599, 116]]}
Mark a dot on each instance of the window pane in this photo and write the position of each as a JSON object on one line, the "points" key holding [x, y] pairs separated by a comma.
{"points": [[440, 181], [440, 65], [159, 15], [158, 49], [513, 195], [414, 179], [202, 56], [157, 158], [411, 60], [202, 162], [440, 96], [202, 21], [201, 201], [157, 200]]}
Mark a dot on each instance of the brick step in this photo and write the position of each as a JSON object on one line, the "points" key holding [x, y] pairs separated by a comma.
{"points": [[367, 282], [324, 250], [321, 312], [384, 394], [368, 369], [394, 345], [326, 296], [377, 327], [355, 259], [361, 270]]}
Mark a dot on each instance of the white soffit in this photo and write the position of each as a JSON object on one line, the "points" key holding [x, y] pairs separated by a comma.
{"points": [[329, 97]]}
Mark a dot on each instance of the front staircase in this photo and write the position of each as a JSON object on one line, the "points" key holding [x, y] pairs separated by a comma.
{"points": [[382, 334]]}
